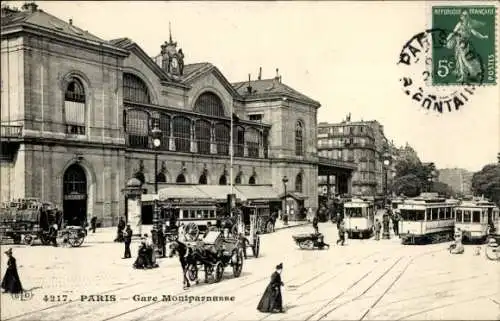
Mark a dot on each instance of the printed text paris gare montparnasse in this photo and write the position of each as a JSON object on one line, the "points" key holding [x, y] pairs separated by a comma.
{"points": [[159, 298]]}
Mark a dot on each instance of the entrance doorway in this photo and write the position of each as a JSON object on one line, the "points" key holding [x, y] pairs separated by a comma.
{"points": [[75, 195]]}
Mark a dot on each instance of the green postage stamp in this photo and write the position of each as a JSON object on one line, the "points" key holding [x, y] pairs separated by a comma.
{"points": [[467, 53]]}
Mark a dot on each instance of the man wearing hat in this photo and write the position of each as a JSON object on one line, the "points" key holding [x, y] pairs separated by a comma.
{"points": [[11, 282], [272, 300]]}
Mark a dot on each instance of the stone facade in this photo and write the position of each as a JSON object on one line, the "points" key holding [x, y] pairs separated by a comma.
{"points": [[42, 58]]}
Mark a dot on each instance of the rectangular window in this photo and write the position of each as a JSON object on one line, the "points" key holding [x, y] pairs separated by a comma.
{"points": [[435, 214], [442, 214], [467, 216], [458, 216], [476, 217], [255, 117]]}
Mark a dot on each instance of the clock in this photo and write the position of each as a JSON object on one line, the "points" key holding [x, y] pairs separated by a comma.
{"points": [[174, 63]]}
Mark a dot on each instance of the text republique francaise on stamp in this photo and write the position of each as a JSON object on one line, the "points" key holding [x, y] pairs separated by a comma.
{"points": [[444, 65]]}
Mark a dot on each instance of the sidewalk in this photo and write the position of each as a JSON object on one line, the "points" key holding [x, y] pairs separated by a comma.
{"points": [[108, 234]]}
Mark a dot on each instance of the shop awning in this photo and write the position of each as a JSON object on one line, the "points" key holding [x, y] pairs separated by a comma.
{"points": [[219, 192], [296, 195], [181, 192], [255, 192]]}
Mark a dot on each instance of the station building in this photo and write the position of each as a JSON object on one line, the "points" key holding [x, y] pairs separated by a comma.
{"points": [[77, 114]]}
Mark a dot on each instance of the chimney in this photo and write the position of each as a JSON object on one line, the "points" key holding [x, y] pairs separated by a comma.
{"points": [[260, 73], [277, 78], [71, 21], [249, 88]]}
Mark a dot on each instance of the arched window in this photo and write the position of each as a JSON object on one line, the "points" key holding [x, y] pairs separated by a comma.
{"points": [[237, 180], [164, 124], [202, 133], [161, 178], [251, 181], [182, 134], [298, 183], [252, 139], [137, 128], [181, 178], [209, 104], [222, 139], [239, 141], [223, 180], [203, 179], [74, 107], [299, 132], [75, 180], [135, 90]]}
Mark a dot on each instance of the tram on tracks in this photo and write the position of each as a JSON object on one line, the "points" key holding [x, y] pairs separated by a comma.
{"points": [[427, 219], [359, 214], [475, 218], [395, 203]]}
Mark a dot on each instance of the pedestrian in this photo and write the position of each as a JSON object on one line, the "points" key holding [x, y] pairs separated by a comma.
{"points": [[128, 240], [315, 224], [161, 242], [53, 234], [11, 282], [93, 224], [457, 247], [119, 230], [377, 227], [341, 231], [271, 300], [395, 224], [242, 244]]}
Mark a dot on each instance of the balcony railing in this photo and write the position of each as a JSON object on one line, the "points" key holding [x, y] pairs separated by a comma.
{"points": [[11, 131]]}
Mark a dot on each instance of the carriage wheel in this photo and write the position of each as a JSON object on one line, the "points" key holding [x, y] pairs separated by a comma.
{"points": [[191, 232], [307, 244], [75, 240], [238, 266], [256, 247], [17, 238], [269, 227], [29, 239], [492, 253], [192, 272], [219, 271]]}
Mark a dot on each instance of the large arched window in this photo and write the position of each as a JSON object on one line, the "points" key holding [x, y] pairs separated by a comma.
{"points": [[252, 139], [239, 141], [74, 107], [222, 139], [134, 89], [299, 136], [237, 180], [202, 133], [137, 127], [209, 104], [182, 134], [203, 179], [298, 183], [164, 124]]}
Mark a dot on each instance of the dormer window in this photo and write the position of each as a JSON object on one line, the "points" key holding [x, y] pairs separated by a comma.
{"points": [[74, 107]]}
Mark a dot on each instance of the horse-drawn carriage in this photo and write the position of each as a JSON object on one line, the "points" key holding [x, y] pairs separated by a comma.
{"points": [[212, 254], [310, 241], [30, 219]]}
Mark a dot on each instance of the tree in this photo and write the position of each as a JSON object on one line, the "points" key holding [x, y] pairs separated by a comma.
{"points": [[409, 185], [487, 182], [442, 189]]}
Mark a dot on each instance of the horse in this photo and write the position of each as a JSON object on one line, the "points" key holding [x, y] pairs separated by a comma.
{"points": [[185, 254]]}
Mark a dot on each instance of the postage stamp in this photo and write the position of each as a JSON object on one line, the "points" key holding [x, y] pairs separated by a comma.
{"points": [[467, 54]]}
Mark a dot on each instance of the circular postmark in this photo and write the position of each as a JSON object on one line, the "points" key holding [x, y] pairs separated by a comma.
{"points": [[422, 70], [25, 295]]}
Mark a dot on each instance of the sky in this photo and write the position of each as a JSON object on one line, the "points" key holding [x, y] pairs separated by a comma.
{"points": [[342, 54]]}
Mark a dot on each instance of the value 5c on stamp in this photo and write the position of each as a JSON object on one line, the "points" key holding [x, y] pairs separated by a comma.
{"points": [[467, 53]]}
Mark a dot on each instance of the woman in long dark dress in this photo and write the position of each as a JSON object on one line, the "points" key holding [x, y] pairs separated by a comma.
{"points": [[11, 282], [272, 300]]}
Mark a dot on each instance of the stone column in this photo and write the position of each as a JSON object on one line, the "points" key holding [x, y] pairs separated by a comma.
{"points": [[171, 138], [194, 146], [213, 143]]}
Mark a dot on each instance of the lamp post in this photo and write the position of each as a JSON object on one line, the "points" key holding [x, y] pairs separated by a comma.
{"points": [[156, 135], [387, 162], [430, 179], [285, 212]]}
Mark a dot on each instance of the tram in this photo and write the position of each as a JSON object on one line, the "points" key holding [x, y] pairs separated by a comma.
{"points": [[475, 218], [359, 215], [427, 219], [395, 204]]}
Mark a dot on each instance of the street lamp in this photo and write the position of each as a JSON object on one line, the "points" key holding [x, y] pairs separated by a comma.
{"points": [[430, 179], [156, 135], [285, 212], [387, 162]]}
